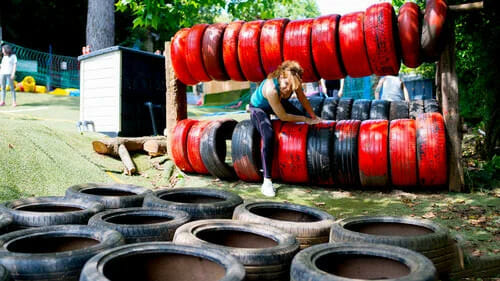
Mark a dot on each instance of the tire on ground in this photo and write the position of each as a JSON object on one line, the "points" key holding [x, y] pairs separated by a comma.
{"points": [[310, 225], [54, 252], [211, 51], [416, 108], [179, 144], [382, 39], [352, 45], [342, 261], [380, 109], [320, 152], [230, 51], [361, 110], [213, 148], [199, 203], [399, 110], [265, 251], [165, 260], [431, 150], [344, 108], [249, 51], [50, 210], [410, 30], [193, 146], [112, 196], [329, 109], [316, 103], [373, 153], [292, 153], [431, 105], [142, 224], [5, 222], [346, 171], [403, 152], [245, 152], [178, 56]]}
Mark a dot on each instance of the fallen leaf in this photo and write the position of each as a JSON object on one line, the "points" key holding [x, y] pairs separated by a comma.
{"points": [[11, 146], [429, 215], [319, 204], [477, 253], [307, 191]]}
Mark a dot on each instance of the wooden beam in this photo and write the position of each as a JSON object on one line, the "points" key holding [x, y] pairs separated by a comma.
{"points": [[176, 97], [449, 104], [467, 7]]}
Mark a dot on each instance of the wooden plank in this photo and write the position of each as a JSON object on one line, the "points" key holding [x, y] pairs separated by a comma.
{"points": [[467, 7], [176, 97], [450, 106]]}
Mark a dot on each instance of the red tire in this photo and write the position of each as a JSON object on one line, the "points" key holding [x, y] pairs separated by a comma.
{"points": [[271, 44], [352, 45], [297, 47], [179, 144], [403, 152], [292, 153], [325, 50], [275, 172], [409, 33], [193, 146], [372, 153], [211, 50], [194, 59], [178, 56], [433, 27], [230, 51], [431, 150], [381, 39], [248, 51]]}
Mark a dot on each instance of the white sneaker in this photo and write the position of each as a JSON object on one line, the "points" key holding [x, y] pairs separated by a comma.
{"points": [[267, 188]]}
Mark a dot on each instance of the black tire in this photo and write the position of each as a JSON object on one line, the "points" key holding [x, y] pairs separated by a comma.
{"points": [[344, 109], [477, 267], [245, 151], [416, 108], [316, 104], [267, 250], [144, 261], [310, 225], [431, 105], [359, 261], [112, 196], [213, 148], [5, 222], [142, 224], [380, 109], [421, 235], [345, 170], [4, 274], [361, 110], [320, 154], [51, 210], [54, 252], [200, 203], [329, 110], [399, 110]]}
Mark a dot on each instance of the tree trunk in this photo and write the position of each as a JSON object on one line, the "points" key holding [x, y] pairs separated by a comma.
{"points": [[100, 24], [110, 146], [127, 161]]}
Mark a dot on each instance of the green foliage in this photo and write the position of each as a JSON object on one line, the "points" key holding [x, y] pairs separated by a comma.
{"points": [[398, 3], [485, 175]]}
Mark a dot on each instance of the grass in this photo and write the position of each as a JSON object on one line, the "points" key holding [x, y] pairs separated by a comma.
{"points": [[42, 153]]}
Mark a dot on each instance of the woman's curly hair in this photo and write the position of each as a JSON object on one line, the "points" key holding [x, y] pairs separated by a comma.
{"points": [[289, 65]]}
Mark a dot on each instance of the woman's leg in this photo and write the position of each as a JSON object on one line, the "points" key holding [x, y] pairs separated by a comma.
{"points": [[3, 83], [12, 88], [260, 119]]}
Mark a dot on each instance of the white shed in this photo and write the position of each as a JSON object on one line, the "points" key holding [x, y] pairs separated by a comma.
{"points": [[122, 91]]}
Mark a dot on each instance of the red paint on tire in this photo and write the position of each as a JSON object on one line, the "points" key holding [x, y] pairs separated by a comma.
{"points": [[409, 25], [211, 50], [403, 152], [178, 56], [352, 45], [431, 150], [292, 153], [194, 59], [248, 51], [372, 153], [297, 47], [179, 144], [271, 44], [432, 29], [230, 51], [193, 146], [325, 47]]}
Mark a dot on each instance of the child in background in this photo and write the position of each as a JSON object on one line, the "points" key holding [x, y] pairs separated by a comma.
{"points": [[7, 73]]}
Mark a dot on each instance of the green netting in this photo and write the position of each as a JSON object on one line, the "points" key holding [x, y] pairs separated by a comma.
{"points": [[59, 71], [227, 100]]}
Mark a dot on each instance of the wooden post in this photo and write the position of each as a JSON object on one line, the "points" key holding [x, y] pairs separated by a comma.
{"points": [[176, 97], [449, 101]]}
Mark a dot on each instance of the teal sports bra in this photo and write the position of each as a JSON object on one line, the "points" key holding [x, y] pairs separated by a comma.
{"points": [[258, 100]]}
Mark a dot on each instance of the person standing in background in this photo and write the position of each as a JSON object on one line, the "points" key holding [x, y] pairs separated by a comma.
{"points": [[393, 89], [8, 73], [333, 88]]}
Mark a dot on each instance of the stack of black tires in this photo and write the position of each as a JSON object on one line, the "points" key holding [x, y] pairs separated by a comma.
{"points": [[125, 232]]}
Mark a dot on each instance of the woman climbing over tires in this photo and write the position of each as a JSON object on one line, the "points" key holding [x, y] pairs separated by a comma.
{"points": [[271, 97]]}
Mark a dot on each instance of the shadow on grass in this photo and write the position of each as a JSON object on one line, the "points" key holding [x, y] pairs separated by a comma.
{"points": [[11, 193]]}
